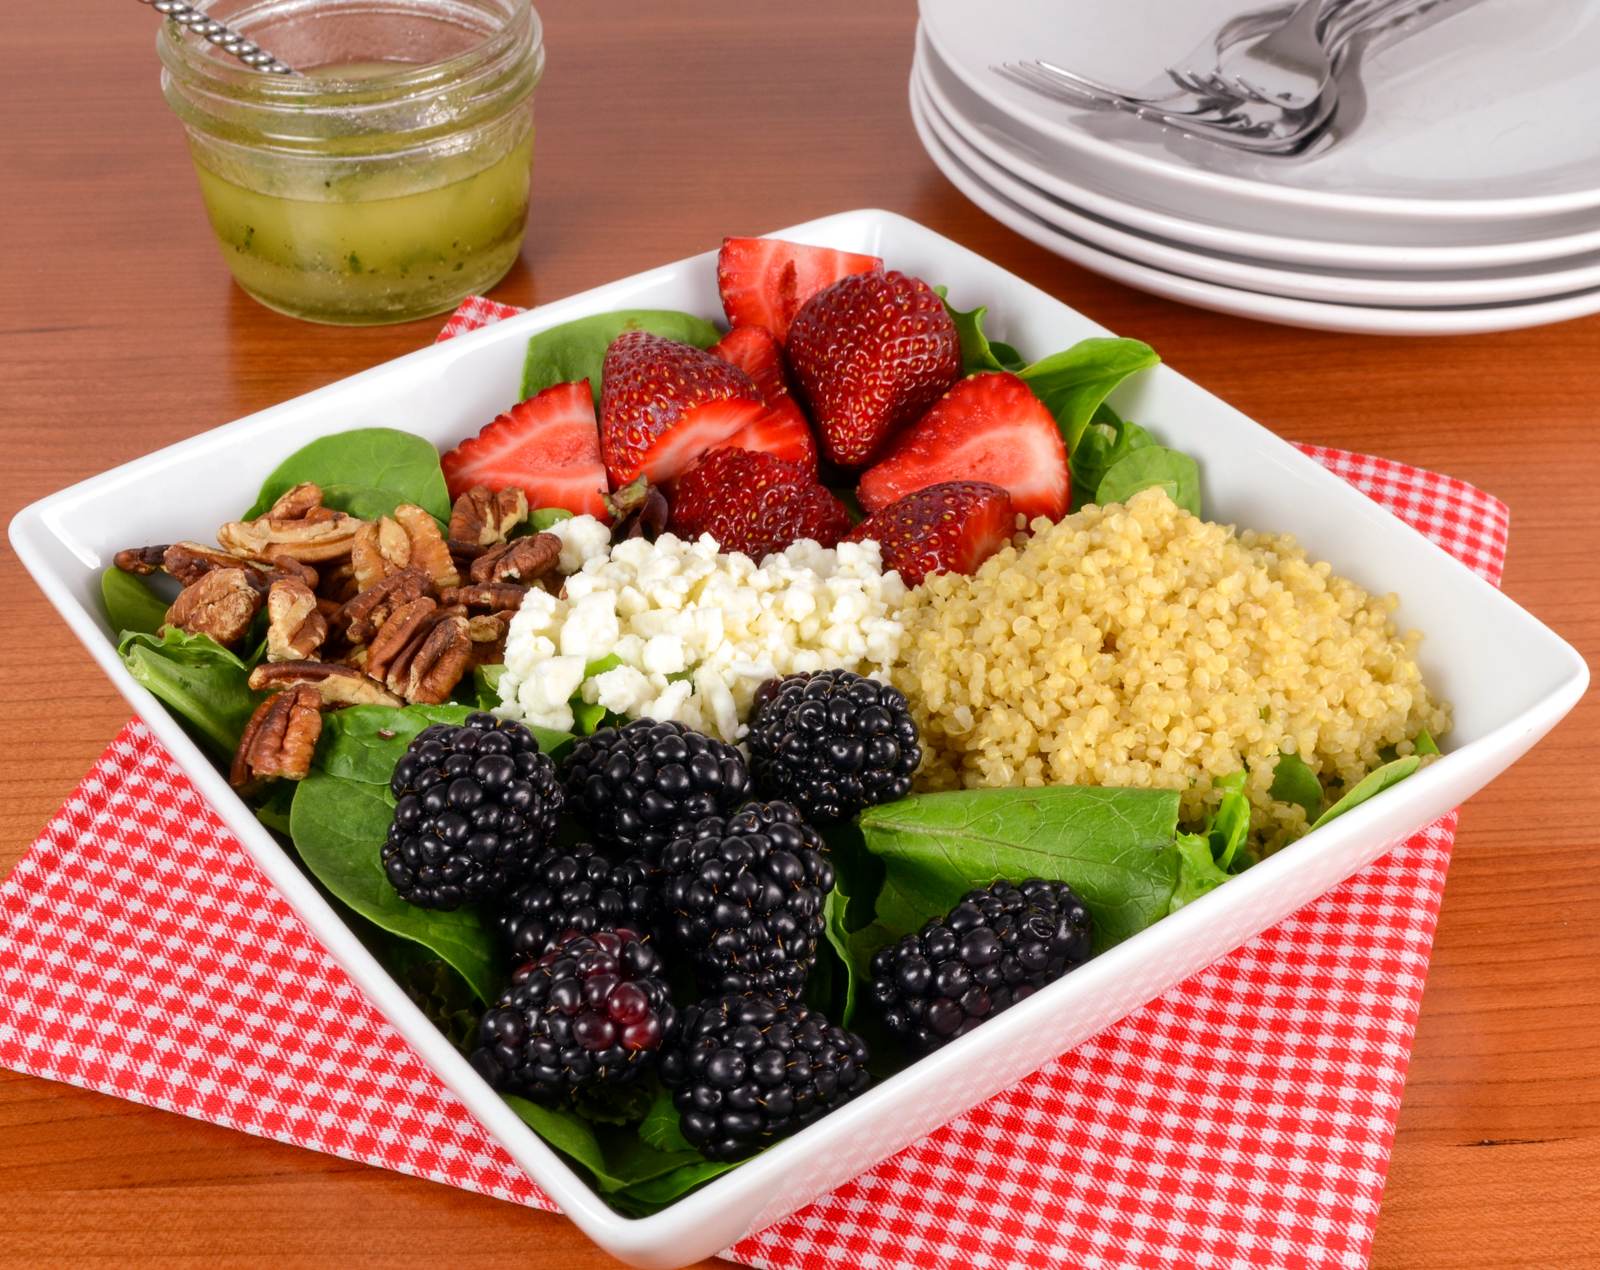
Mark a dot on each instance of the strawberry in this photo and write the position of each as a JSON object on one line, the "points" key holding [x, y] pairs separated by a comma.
{"points": [[755, 503], [548, 445], [783, 430], [663, 404], [948, 528], [764, 281], [989, 427], [871, 353]]}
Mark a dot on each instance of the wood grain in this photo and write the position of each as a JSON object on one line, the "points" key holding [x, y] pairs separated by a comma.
{"points": [[663, 127]]}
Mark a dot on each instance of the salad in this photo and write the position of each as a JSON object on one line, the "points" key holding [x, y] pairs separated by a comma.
{"points": [[746, 713]]}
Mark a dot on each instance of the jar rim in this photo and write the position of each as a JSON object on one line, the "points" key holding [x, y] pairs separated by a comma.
{"points": [[193, 62]]}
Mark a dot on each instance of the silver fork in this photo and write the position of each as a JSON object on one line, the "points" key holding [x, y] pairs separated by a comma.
{"points": [[1210, 105]]}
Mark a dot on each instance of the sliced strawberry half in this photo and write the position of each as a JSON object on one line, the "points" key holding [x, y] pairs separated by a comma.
{"points": [[765, 281], [783, 430], [949, 528], [663, 404], [989, 427], [548, 445]]}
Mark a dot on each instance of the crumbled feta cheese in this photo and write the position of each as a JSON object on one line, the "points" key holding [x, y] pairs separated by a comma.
{"points": [[583, 538], [669, 607]]}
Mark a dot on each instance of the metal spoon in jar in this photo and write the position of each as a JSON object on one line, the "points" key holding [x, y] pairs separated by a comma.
{"points": [[224, 37]]}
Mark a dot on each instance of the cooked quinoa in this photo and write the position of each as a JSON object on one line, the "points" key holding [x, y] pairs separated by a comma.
{"points": [[1141, 646]]}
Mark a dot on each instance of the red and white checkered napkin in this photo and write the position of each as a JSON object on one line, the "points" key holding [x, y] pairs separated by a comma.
{"points": [[1244, 1118]]}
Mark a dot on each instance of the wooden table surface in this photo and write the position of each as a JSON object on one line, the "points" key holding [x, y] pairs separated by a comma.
{"points": [[663, 127]]}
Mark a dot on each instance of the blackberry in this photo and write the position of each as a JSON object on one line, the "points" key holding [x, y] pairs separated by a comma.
{"points": [[576, 890], [634, 785], [474, 807], [832, 742], [747, 1068], [743, 895], [591, 1012], [998, 945]]}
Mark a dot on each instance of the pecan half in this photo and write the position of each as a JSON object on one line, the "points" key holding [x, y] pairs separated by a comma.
{"points": [[487, 631], [336, 685], [363, 615], [141, 560], [279, 739], [428, 548], [436, 665], [481, 518], [295, 629], [495, 596], [380, 547], [222, 604], [520, 560], [407, 625], [297, 527]]}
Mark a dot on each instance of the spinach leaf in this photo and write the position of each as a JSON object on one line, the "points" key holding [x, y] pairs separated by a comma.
{"points": [[367, 472], [1106, 441], [1293, 781], [576, 350], [486, 685], [660, 1127], [198, 679], [643, 1198], [1111, 845], [274, 811], [1198, 870], [338, 826], [978, 353], [1230, 824], [130, 604], [615, 1159], [541, 518], [1424, 744], [1370, 786], [363, 743], [1074, 382], [1171, 470]]}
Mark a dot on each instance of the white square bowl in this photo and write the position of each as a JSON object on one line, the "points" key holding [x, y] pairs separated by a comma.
{"points": [[1509, 677]]}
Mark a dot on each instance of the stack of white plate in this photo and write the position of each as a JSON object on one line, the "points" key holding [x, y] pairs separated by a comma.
{"points": [[1459, 192]]}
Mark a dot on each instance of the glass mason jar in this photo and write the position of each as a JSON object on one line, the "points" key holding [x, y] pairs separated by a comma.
{"points": [[386, 181]]}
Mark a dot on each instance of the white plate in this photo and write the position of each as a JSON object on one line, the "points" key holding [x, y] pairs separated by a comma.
{"points": [[1509, 677], [1010, 150], [1311, 314], [1482, 120], [1337, 287]]}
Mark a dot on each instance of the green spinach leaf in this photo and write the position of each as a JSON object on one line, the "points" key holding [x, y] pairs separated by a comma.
{"points": [[978, 352], [576, 350], [541, 518], [644, 1198], [363, 743], [130, 604], [1293, 781], [1230, 824], [1152, 465], [1076, 381], [660, 1127], [1198, 870], [1424, 744], [198, 679], [1106, 441], [367, 472], [486, 685], [1111, 845], [1370, 786], [617, 1159], [338, 826]]}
